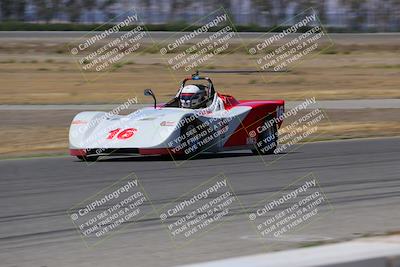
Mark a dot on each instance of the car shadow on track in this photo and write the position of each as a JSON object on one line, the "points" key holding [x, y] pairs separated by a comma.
{"points": [[203, 156]]}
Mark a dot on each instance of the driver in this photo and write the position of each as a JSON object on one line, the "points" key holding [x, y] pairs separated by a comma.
{"points": [[193, 96]]}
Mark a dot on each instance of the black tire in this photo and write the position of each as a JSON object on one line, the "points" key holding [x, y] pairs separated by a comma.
{"points": [[193, 144], [267, 141], [88, 158]]}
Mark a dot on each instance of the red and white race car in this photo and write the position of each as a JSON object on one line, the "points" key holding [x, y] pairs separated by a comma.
{"points": [[218, 123]]}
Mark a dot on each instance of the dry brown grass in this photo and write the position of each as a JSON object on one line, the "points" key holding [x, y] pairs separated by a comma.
{"points": [[45, 79]]}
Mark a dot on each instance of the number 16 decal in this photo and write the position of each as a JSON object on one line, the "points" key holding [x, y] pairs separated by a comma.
{"points": [[124, 134]]}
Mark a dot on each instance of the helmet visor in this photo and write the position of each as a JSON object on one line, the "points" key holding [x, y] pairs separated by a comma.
{"points": [[187, 96]]}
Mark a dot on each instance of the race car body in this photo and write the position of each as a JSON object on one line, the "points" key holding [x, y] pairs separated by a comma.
{"points": [[221, 123]]}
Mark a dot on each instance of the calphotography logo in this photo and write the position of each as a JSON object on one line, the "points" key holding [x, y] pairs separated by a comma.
{"points": [[283, 50], [291, 209], [281, 132], [200, 210], [107, 212], [101, 134], [202, 130], [100, 52], [190, 50]]}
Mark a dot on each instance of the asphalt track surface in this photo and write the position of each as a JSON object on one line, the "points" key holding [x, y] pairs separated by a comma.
{"points": [[361, 178]]}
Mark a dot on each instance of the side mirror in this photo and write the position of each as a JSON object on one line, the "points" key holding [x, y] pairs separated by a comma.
{"points": [[149, 92]]}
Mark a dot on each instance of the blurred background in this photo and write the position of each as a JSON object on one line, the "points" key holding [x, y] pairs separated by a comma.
{"points": [[341, 15]]}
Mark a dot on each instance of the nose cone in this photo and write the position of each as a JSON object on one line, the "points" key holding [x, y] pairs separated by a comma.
{"points": [[148, 129]]}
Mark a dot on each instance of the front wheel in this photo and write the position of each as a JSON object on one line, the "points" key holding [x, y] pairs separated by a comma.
{"points": [[267, 140], [88, 158]]}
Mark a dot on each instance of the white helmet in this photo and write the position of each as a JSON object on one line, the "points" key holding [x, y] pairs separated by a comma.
{"points": [[191, 96]]}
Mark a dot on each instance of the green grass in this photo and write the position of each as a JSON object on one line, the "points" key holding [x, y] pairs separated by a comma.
{"points": [[253, 81], [9, 61], [395, 66], [329, 51], [117, 66]]}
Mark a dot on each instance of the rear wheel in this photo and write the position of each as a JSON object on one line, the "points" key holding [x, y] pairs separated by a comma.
{"points": [[267, 140]]}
